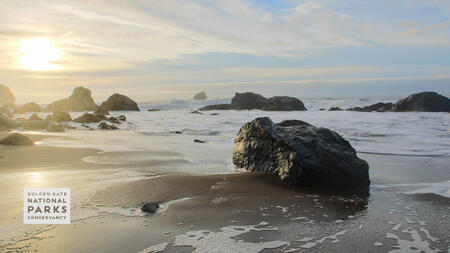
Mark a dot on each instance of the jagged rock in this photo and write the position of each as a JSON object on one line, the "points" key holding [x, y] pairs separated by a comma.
{"points": [[28, 107], [250, 101], [114, 120], [80, 100], [6, 96], [55, 127], [16, 139], [423, 102], [150, 207], [34, 116], [105, 126], [89, 118], [200, 96], [378, 107], [59, 117], [335, 109], [119, 102], [300, 154]]}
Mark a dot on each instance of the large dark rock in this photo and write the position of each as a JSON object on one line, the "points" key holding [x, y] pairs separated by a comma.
{"points": [[150, 207], [28, 107], [283, 104], [89, 118], [423, 102], [6, 96], [80, 100], [378, 107], [119, 102], [250, 101], [300, 154], [16, 139], [200, 96]]}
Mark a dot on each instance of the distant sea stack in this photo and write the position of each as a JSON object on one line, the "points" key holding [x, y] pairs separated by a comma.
{"points": [[28, 107], [7, 98], [250, 101], [80, 100], [200, 96], [427, 101], [119, 102], [300, 154]]}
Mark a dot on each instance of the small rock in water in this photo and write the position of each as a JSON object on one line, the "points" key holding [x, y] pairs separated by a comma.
{"points": [[199, 141], [196, 112], [378, 244], [150, 207]]}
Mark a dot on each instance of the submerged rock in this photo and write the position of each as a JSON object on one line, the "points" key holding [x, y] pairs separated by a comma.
{"points": [[300, 154], [6, 96], [89, 118], [200, 96], [106, 126], [378, 107], [55, 127], [335, 109], [196, 112], [250, 101], [423, 102], [199, 141], [16, 139], [154, 110], [150, 207], [61, 117], [119, 102]]}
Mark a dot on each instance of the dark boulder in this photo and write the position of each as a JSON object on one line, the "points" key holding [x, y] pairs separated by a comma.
{"points": [[106, 126], [154, 110], [248, 101], [150, 207], [283, 103], [16, 139], [200, 96], [6, 96], [114, 120], [119, 102], [335, 109], [423, 102], [89, 118], [199, 141], [300, 154], [28, 107], [61, 117]]}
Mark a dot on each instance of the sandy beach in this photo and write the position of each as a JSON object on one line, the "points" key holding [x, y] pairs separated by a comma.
{"points": [[239, 212]]}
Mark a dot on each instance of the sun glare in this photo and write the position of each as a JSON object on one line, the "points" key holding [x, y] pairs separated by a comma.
{"points": [[39, 54]]}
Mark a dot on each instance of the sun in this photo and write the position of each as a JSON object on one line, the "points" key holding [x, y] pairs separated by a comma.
{"points": [[39, 54]]}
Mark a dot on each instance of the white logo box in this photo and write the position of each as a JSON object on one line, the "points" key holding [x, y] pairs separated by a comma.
{"points": [[46, 206]]}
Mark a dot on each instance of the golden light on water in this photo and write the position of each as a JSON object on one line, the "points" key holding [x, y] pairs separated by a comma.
{"points": [[39, 54]]}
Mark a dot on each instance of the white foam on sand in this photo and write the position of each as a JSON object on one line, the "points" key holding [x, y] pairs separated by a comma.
{"points": [[416, 245], [225, 240], [156, 248]]}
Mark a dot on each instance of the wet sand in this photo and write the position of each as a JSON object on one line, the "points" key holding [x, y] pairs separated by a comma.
{"points": [[241, 212]]}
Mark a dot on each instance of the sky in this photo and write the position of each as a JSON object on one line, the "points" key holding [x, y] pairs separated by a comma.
{"points": [[171, 49]]}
